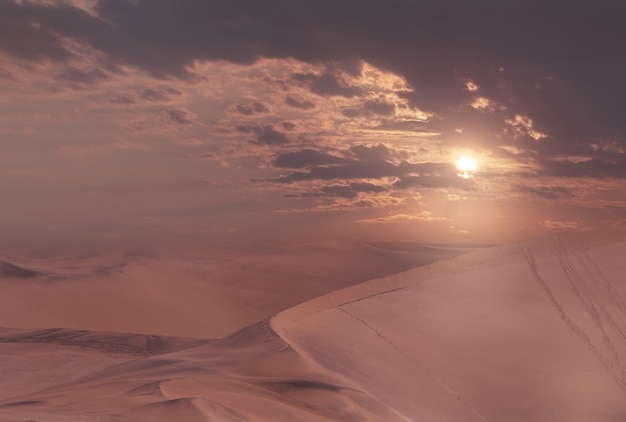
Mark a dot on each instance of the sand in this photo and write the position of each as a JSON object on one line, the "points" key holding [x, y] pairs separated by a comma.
{"points": [[531, 331]]}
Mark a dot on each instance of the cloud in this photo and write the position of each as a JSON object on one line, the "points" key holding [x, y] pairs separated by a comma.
{"points": [[289, 126], [6, 75], [425, 216], [351, 190], [121, 99], [305, 158], [182, 117], [559, 225], [471, 86], [81, 76], [251, 109], [523, 125], [159, 94], [326, 84], [589, 168], [264, 135], [380, 107], [546, 192], [300, 103], [485, 105], [359, 175], [34, 33], [367, 162], [428, 181], [377, 152], [351, 112], [346, 171]]}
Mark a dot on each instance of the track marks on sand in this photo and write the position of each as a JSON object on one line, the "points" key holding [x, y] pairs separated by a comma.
{"points": [[592, 291], [415, 364]]}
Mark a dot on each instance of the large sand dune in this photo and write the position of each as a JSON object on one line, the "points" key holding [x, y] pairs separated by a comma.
{"points": [[193, 290], [534, 331]]}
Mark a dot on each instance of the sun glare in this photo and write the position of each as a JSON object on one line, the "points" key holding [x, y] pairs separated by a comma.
{"points": [[466, 167]]}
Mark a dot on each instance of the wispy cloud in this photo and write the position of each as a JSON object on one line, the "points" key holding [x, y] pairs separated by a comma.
{"points": [[425, 216]]}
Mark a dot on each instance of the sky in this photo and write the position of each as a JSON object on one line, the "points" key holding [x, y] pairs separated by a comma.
{"points": [[311, 119]]}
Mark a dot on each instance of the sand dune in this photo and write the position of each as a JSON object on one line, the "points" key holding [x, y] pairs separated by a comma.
{"points": [[9, 270], [250, 375], [188, 290], [533, 331]]}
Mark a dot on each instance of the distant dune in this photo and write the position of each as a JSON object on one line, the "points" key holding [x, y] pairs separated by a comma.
{"points": [[532, 331], [191, 291], [8, 270]]}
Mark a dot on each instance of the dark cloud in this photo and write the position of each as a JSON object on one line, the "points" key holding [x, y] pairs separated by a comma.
{"points": [[352, 190], [370, 153], [369, 162], [546, 192], [81, 77], [251, 108], [5, 74], [346, 191], [154, 96], [288, 125], [305, 158], [379, 107], [264, 135], [404, 126], [351, 112], [590, 168], [179, 116], [34, 32], [373, 109], [299, 103], [326, 84], [159, 95], [427, 181], [353, 169], [122, 99]]}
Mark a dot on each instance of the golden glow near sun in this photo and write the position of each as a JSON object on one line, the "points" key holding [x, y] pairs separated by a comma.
{"points": [[466, 167]]}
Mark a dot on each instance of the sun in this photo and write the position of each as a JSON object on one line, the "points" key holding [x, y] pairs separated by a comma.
{"points": [[466, 167]]}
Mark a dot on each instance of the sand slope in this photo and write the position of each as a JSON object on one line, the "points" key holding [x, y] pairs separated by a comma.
{"points": [[534, 331], [530, 332]]}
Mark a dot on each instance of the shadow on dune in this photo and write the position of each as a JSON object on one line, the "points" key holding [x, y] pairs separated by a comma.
{"points": [[135, 344]]}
